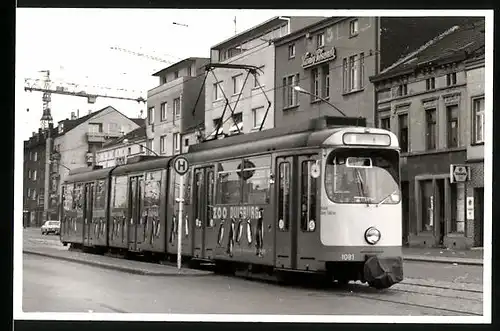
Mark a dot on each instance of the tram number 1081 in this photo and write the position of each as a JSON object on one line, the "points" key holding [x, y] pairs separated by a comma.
{"points": [[347, 257]]}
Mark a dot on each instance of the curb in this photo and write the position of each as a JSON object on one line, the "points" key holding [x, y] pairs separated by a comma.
{"points": [[444, 260], [130, 270]]}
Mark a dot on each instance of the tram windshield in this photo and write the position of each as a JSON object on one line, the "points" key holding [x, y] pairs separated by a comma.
{"points": [[363, 176]]}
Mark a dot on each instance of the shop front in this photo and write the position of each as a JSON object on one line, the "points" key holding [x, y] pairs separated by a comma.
{"points": [[439, 187]]}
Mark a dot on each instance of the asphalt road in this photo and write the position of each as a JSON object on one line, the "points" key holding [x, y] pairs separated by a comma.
{"points": [[52, 285]]}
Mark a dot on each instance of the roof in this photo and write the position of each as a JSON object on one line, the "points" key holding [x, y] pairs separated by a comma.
{"points": [[309, 28], [138, 121], [138, 133], [456, 43], [71, 124], [249, 33], [179, 64]]}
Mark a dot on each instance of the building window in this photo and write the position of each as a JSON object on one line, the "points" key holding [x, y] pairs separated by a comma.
{"points": [[451, 79], [427, 205], [353, 69], [176, 74], [452, 127], [29, 173], [129, 151], [177, 107], [431, 125], [326, 80], [189, 71], [320, 40], [163, 144], [237, 84], [177, 142], [258, 117], [151, 115], [35, 156], [315, 84], [163, 114], [95, 127], [217, 91], [34, 174], [353, 28], [163, 80], [290, 95], [186, 142], [402, 90], [478, 120], [385, 123], [403, 132], [430, 83], [291, 51]]}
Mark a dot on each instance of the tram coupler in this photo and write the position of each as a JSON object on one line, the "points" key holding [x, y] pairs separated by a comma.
{"points": [[383, 272]]}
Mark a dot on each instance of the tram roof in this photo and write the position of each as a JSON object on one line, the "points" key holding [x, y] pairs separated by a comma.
{"points": [[305, 134], [141, 165], [84, 176]]}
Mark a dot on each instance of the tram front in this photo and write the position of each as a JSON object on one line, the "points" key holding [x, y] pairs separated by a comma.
{"points": [[361, 226]]}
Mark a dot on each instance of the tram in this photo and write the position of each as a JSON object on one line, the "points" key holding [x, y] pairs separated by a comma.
{"points": [[315, 198]]}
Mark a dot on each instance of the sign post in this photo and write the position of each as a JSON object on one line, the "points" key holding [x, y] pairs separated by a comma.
{"points": [[181, 166]]}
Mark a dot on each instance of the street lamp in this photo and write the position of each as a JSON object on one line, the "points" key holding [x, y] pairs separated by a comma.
{"points": [[301, 90], [126, 142]]}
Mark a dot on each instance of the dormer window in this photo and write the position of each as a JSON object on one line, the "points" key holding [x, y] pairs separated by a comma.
{"points": [[353, 28]]}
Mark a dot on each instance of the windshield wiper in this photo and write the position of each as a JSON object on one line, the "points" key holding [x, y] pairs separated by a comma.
{"points": [[387, 197], [361, 187]]}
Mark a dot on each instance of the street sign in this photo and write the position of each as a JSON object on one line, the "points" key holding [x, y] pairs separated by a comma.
{"points": [[181, 165], [459, 173]]}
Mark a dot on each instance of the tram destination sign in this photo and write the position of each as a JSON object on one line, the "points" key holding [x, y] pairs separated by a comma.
{"points": [[459, 173], [320, 56], [181, 165]]}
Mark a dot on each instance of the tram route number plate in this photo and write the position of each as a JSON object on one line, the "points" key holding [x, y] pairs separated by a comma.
{"points": [[347, 257]]}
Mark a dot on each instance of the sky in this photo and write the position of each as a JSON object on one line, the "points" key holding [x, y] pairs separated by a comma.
{"points": [[75, 45]]}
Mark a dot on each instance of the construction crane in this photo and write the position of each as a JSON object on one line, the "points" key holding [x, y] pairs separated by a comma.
{"points": [[48, 87], [148, 56]]}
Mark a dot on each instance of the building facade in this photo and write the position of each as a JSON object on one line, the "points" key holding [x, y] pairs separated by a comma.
{"points": [[250, 99], [117, 151], [78, 139], [425, 99], [34, 178], [176, 106], [475, 139], [333, 59]]}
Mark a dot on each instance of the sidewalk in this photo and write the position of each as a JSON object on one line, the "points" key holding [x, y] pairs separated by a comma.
{"points": [[134, 267], [444, 255]]}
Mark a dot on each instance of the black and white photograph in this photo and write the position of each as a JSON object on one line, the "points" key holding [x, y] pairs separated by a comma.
{"points": [[253, 165]]}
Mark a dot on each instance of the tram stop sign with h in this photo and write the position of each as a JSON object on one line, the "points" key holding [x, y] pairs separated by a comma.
{"points": [[181, 165]]}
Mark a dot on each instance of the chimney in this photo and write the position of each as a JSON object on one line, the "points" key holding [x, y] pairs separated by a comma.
{"points": [[90, 111], [73, 115], [78, 113]]}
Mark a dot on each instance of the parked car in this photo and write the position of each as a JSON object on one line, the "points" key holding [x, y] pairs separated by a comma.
{"points": [[51, 227]]}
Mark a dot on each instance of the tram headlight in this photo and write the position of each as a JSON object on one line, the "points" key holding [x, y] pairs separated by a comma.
{"points": [[372, 235]]}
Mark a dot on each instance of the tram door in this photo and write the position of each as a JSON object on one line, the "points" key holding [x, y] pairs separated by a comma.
{"points": [[135, 224], [87, 213], [202, 204], [286, 199]]}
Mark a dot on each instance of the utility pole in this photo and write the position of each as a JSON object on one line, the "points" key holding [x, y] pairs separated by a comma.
{"points": [[46, 124]]}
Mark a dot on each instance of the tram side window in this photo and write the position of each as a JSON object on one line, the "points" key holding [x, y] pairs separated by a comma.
{"points": [[229, 182], [68, 197], [256, 180], [210, 195], [308, 196], [152, 191], [284, 195], [119, 189], [100, 196], [79, 198]]}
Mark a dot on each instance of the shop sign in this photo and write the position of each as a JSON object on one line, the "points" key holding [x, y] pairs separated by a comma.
{"points": [[459, 173], [321, 55]]}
